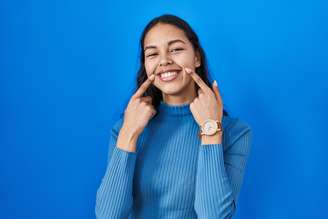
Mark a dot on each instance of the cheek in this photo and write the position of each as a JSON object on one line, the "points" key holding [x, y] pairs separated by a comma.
{"points": [[185, 60], [150, 67]]}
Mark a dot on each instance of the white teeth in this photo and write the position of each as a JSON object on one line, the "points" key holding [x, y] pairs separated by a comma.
{"points": [[168, 74]]}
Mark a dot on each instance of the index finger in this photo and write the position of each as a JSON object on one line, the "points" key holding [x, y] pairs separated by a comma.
{"points": [[142, 89], [197, 79]]}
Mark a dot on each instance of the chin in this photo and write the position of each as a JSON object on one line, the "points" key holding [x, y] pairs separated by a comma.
{"points": [[172, 90]]}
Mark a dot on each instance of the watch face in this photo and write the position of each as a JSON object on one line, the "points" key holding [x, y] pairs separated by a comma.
{"points": [[210, 127]]}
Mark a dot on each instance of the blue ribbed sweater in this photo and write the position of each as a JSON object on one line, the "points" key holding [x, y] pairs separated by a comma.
{"points": [[171, 175]]}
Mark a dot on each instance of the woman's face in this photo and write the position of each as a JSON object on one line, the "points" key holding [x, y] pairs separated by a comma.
{"points": [[167, 50]]}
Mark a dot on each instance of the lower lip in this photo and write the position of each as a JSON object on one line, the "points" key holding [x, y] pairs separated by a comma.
{"points": [[168, 79]]}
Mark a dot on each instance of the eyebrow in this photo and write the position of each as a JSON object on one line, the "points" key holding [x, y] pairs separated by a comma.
{"points": [[169, 43]]}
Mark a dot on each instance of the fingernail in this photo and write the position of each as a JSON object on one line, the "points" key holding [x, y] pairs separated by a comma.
{"points": [[188, 70], [215, 84], [151, 77]]}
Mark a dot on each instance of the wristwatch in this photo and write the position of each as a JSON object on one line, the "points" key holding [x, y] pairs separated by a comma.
{"points": [[210, 127]]}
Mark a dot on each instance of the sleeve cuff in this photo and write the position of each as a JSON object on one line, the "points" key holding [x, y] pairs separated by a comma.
{"points": [[122, 162]]}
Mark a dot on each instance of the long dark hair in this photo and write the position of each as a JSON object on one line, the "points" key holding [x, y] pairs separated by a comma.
{"points": [[202, 70]]}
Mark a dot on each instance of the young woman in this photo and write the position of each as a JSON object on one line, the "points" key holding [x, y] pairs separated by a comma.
{"points": [[176, 153]]}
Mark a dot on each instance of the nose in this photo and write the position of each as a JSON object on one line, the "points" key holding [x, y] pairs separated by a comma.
{"points": [[165, 61]]}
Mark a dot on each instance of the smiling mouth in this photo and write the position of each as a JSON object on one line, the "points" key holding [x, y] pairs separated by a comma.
{"points": [[169, 75]]}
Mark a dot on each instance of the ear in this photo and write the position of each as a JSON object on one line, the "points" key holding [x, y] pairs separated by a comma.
{"points": [[197, 59]]}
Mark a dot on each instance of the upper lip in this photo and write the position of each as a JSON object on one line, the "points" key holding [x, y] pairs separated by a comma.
{"points": [[167, 70]]}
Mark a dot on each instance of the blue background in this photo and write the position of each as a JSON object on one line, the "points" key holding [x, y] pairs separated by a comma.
{"points": [[67, 67]]}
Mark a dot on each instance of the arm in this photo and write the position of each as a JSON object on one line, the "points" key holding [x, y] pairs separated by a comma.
{"points": [[220, 174], [114, 196]]}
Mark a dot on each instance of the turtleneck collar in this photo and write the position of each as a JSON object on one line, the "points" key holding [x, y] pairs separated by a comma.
{"points": [[174, 110]]}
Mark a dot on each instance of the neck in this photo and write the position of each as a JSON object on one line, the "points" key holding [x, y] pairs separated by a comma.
{"points": [[185, 96]]}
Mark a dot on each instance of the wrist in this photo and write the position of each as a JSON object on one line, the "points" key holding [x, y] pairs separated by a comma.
{"points": [[127, 140], [211, 131]]}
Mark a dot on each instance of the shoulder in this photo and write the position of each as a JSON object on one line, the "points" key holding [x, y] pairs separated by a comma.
{"points": [[234, 129], [235, 126]]}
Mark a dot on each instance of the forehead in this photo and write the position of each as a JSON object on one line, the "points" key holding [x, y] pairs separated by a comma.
{"points": [[161, 34]]}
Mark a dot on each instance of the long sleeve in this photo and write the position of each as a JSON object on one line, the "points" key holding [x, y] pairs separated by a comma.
{"points": [[220, 174], [114, 196]]}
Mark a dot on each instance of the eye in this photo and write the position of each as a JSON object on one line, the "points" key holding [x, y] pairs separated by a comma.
{"points": [[176, 49], [151, 55]]}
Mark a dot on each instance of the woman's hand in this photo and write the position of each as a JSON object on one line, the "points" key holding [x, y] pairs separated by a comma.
{"points": [[208, 103], [136, 116]]}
